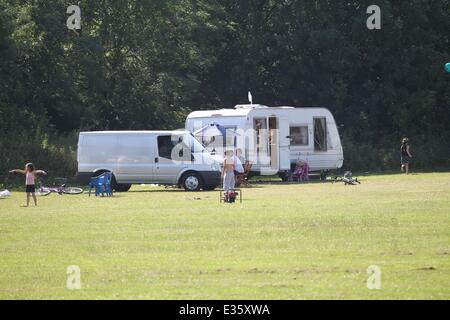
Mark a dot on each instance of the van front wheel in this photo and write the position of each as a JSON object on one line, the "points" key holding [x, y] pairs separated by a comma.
{"points": [[191, 181]]}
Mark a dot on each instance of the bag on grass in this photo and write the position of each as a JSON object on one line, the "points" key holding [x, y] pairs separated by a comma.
{"points": [[5, 194], [230, 197]]}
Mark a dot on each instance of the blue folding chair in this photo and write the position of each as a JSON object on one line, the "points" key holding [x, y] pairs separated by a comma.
{"points": [[102, 185]]}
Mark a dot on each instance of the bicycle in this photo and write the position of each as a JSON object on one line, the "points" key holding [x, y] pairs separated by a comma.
{"points": [[60, 189], [347, 179]]}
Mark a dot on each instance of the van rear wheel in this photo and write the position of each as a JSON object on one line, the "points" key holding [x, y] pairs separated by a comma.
{"points": [[122, 187], [324, 174], [191, 181], [119, 187]]}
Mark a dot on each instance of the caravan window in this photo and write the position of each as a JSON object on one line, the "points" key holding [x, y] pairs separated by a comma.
{"points": [[320, 134], [299, 135]]}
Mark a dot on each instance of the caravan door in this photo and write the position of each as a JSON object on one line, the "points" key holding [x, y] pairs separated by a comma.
{"points": [[285, 144]]}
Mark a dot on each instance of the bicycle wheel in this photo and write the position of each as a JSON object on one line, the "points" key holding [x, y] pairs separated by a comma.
{"points": [[42, 192], [72, 190]]}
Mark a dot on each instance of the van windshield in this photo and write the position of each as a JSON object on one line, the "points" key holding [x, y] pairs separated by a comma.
{"points": [[197, 146], [190, 142]]}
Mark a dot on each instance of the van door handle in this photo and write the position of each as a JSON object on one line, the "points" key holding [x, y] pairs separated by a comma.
{"points": [[156, 160]]}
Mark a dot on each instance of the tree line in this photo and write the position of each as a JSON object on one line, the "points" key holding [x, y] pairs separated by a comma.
{"points": [[147, 64]]}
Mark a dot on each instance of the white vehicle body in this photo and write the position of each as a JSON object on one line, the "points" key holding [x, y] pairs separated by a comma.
{"points": [[274, 139], [156, 157]]}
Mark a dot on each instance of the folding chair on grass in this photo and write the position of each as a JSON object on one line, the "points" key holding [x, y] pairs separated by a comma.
{"points": [[242, 178], [301, 172], [102, 185]]}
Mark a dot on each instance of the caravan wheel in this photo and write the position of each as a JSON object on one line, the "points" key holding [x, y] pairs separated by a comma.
{"points": [[285, 176], [324, 174]]}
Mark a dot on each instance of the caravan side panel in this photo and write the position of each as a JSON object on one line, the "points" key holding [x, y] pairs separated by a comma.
{"points": [[321, 147]]}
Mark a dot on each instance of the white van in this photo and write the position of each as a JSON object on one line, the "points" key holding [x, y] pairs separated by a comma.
{"points": [[274, 139], [153, 157]]}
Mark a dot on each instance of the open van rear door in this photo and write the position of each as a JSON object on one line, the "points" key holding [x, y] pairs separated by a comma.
{"points": [[285, 144]]}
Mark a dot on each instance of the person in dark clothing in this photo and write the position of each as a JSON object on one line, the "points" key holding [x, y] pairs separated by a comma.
{"points": [[406, 155]]}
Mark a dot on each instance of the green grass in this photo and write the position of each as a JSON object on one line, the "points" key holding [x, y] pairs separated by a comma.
{"points": [[302, 241]]}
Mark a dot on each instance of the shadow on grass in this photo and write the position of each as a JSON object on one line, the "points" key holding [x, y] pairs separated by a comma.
{"points": [[157, 191], [172, 190], [274, 182], [93, 196], [395, 173]]}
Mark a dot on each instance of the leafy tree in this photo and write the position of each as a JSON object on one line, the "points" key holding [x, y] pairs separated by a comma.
{"points": [[147, 64]]}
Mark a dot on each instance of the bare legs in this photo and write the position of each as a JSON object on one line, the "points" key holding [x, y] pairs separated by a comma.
{"points": [[405, 168], [29, 195]]}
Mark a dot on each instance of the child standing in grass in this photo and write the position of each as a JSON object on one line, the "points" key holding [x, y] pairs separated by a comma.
{"points": [[30, 180]]}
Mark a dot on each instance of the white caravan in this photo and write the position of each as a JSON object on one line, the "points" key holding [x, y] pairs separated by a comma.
{"points": [[274, 139], [159, 157]]}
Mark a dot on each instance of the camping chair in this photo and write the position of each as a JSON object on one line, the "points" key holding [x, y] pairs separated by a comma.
{"points": [[102, 185], [301, 172], [242, 178]]}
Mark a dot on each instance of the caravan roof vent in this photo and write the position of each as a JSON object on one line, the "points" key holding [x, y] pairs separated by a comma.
{"points": [[250, 106]]}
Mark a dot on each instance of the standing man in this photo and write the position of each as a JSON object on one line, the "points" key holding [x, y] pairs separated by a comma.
{"points": [[240, 156], [240, 161], [406, 155]]}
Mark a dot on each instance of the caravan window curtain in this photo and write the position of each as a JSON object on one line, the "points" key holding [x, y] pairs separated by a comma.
{"points": [[320, 134]]}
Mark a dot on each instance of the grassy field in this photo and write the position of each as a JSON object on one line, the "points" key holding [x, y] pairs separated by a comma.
{"points": [[302, 241]]}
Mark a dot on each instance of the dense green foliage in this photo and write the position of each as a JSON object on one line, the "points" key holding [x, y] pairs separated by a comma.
{"points": [[146, 64]]}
